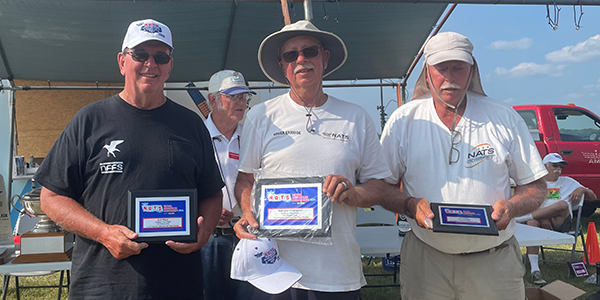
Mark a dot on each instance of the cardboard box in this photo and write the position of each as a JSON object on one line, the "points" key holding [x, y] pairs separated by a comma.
{"points": [[557, 290]]}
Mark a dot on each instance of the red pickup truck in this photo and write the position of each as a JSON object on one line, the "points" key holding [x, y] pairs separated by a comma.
{"points": [[574, 133]]}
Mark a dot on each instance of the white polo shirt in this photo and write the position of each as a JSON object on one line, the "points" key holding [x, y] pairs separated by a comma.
{"points": [[227, 155]]}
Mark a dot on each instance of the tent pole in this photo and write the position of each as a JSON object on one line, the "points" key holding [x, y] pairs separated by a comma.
{"points": [[11, 152], [308, 13], [285, 11], [414, 63]]}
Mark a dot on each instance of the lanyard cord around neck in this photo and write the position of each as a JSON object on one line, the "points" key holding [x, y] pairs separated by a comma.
{"points": [[221, 168]]}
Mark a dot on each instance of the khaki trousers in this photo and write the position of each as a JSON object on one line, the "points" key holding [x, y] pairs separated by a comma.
{"points": [[428, 274]]}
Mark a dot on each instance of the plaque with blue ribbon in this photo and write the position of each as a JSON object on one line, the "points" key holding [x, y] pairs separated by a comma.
{"points": [[463, 218], [161, 215]]}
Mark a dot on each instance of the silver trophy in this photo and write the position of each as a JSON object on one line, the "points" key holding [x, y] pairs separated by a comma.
{"points": [[32, 207]]}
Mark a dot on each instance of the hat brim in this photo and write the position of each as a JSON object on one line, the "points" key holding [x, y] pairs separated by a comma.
{"points": [[237, 90], [448, 55], [137, 42], [278, 281], [268, 52], [558, 162]]}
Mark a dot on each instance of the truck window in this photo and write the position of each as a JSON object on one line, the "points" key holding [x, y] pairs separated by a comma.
{"points": [[576, 125], [531, 121]]}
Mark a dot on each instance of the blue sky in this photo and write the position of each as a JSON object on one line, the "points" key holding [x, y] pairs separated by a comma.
{"points": [[522, 60]]}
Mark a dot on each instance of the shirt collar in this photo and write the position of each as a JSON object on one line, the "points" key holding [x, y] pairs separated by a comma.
{"points": [[214, 132]]}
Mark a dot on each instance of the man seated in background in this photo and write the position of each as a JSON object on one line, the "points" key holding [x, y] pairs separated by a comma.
{"points": [[564, 194]]}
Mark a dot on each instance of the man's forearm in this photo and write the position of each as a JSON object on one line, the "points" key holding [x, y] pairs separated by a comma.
{"points": [[210, 209], [243, 189], [73, 217], [373, 192], [528, 197], [393, 199]]}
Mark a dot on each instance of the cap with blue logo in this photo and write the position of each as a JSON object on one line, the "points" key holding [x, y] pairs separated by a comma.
{"points": [[228, 82], [147, 30], [554, 158], [258, 262]]}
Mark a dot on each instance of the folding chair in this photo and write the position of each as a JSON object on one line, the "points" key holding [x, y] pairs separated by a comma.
{"points": [[25, 223], [374, 217], [577, 232]]}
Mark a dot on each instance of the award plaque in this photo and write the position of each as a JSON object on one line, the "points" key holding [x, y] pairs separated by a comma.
{"points": [[161, 215], [292, 207], [463, 218]]}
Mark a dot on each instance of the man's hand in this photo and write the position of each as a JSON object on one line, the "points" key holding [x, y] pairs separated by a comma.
{"points": [[226, 216], [502, 213], [545, 223], [186, 248], [240, 226], [421, 211], [340, 189], [118, 240], [576, 195]]}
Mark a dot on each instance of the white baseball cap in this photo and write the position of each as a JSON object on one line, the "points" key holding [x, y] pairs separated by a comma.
{"points": [[447, 46], [228, 82], [554, 158], [258, 262], [147, 30]]}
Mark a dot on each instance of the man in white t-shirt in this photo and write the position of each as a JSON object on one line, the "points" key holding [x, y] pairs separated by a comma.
{"points": [[453, 144], [564, 194], [309, 133], [228, 98]]}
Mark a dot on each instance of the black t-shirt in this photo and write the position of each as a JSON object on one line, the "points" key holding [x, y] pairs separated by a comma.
{"points": [[108, 148]]}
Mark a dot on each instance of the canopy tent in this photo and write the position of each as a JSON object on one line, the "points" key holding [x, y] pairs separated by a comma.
{"points": [[72, 40]]}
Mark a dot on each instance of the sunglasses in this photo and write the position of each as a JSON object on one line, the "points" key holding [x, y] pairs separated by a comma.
{"points": [[558, 166], [160, 58], [456, 139], [308, 52], [239, 97]]}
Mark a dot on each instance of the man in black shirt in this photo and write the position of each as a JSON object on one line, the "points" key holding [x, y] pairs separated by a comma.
{"points": [[136, 140]]}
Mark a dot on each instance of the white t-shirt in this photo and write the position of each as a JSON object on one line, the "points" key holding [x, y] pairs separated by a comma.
{"points": [[227, 155], [345, 143], [560, 190], [495, 145]]}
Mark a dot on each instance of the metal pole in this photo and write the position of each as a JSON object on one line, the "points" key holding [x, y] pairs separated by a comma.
{"points": [[308, 13], [414, 63], [12, 120]]}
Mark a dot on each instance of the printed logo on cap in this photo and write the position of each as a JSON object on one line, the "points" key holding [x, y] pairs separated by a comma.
{"points": [[151, 28], [269, 257], [237, 78]]}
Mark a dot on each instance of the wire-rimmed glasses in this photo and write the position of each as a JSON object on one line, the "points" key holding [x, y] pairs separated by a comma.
{"points": [[456, 139]]}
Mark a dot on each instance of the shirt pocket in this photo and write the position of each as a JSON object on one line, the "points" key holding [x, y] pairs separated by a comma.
{"points": [[183, 158]]}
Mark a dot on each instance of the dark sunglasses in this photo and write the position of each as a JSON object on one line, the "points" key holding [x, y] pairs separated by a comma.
{"points": [[558, 166], [160, 58], [308, 52]]}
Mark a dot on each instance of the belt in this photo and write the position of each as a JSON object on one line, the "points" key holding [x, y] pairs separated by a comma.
{"points": [[491, 250], [223, 231]]}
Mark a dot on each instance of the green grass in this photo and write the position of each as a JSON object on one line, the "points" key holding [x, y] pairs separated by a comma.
{"points": [[551, 272]]}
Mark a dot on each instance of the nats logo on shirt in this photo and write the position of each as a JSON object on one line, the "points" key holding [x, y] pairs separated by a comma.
{"points": [[479, 154], [113, 166]]}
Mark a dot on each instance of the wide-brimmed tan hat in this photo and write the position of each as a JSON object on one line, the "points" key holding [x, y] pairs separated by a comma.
{"points": [[448, 46], [268, 52]]}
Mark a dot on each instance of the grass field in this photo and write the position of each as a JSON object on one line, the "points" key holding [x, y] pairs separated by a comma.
{"points": [[551, 272]]}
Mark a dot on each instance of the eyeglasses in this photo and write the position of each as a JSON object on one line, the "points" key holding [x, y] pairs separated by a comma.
{"points": [[160, 58], [558, 166], [456, 139], [308, 52], [239, 97]]}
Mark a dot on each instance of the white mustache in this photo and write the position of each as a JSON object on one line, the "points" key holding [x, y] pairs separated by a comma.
{"points": [[304, 67], [450, 86], [558, 171]]}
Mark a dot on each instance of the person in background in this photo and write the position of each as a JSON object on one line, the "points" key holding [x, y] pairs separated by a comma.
{"points": [[228, 97], [564, 194], [135, 140]]}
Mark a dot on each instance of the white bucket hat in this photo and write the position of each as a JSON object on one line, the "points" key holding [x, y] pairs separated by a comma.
{"points": [[268, 52], [258, 262], [228, 82], [447, 46], [147, 30]]}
